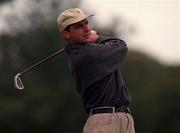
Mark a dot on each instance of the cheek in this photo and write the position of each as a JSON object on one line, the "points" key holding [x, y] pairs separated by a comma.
{"points": [[79, 35]]}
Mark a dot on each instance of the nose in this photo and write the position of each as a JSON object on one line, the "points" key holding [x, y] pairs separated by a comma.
{"points": [[87, 28]]}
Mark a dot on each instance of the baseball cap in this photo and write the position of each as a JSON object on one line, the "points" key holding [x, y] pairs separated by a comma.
{"points": [[70, 16]]}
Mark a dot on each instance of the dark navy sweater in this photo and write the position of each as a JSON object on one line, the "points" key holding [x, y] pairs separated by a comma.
{"points": [[95, 67]]}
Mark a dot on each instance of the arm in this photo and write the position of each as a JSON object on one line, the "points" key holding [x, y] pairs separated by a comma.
{"points": [[112, 52], [108, 52]]}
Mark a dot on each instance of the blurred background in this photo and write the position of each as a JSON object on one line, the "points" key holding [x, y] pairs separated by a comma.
{"points": [[49, 103]]}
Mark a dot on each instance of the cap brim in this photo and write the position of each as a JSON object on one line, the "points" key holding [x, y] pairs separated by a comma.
{"points": [[80, 20]]}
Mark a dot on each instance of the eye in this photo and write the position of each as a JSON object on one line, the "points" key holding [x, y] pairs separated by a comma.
{"points": [[86, 22], [79, 26]]}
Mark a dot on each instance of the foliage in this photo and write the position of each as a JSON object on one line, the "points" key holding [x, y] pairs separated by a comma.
{"points": [[2, 1], [155, 91]]}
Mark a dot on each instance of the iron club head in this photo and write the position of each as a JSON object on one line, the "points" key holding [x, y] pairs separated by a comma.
{"points": [[18, 83]]}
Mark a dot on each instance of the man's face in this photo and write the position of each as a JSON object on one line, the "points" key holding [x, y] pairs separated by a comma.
{"points": [[78, 32]]}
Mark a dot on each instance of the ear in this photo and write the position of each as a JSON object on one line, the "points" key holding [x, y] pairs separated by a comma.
{"points": [[65, 34]]}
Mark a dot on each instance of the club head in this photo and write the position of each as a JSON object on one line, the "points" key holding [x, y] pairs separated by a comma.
{"points": [[18, 83]]}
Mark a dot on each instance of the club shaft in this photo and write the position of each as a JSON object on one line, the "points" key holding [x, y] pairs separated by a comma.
{"points": [[41, 61]]}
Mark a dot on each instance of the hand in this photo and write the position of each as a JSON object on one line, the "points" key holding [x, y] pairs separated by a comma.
{"points": [[93, 37]]}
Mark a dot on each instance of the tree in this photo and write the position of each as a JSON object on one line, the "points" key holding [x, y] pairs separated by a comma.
{"points": [[3, 1]]}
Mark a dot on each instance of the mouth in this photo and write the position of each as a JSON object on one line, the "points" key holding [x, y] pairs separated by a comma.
{"points": [[87, 35]]}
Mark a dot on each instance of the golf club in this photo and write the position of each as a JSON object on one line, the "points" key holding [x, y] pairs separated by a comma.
{"points": [[17, 79]]}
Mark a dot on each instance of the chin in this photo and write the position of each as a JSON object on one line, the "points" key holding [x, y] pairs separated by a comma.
{"points": [[80, 42]]}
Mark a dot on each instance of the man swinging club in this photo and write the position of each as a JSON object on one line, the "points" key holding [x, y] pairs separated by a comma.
{"points": [[95, 62]]}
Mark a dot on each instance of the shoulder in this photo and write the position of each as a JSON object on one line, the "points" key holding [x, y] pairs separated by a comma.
{"points": [[103, 39], [90, 49]]}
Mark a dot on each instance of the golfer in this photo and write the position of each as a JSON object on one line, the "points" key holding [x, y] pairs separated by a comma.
{"points": [[95, 62]]}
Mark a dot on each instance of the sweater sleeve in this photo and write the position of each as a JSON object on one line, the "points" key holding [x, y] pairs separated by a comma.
{"points": [[112, 53]]}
